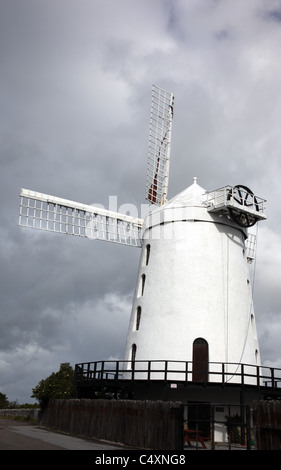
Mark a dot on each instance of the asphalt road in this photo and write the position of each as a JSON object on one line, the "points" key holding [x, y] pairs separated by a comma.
{"points": [[16, 435]]}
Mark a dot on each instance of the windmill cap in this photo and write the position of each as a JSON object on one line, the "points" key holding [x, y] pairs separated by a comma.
{"points": [[191, 196], [188, 205], [184, 206]]}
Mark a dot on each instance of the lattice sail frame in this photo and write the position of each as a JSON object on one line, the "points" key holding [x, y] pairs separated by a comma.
{"points": [[161, 118], [251, 246], [50, 213]]}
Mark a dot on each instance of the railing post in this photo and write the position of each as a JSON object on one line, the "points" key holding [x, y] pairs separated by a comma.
{"points": [[117, 370], [242, 374], [148, 370], [78, 374], [272, 377], [258, 376], [222, 373], [186, 371], [165, 374], [133, 370]]}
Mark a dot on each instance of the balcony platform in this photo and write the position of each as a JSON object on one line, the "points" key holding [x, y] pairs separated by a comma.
{"points": [[239, 202], [175, 381]]}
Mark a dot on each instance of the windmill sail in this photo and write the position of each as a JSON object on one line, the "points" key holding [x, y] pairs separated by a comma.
{"points": [[45, 212], [161, 117]]}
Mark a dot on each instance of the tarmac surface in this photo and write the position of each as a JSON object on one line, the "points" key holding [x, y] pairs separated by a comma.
{"points": [[17, 435]]}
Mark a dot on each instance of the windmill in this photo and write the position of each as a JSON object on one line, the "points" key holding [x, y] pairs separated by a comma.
{"points": [[193, 299]]}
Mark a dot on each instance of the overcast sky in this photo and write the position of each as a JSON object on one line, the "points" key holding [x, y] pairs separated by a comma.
{"points": [[75, 92]]}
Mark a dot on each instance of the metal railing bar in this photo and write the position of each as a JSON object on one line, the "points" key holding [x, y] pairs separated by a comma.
{"points": [[246, 374]]}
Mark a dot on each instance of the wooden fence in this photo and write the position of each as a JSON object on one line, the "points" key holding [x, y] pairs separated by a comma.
{"points": [[142, 424], [267, 425]]}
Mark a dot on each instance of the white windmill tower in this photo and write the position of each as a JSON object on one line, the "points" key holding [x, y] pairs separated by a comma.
{"points": [[193, 299]]}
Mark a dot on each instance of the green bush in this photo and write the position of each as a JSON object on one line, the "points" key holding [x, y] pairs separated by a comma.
{"points": [[58, 385], [4, 403]]}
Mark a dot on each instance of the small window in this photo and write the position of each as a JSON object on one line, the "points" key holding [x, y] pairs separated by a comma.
{"points": [[220, 409], [133, 358], [142, 283], [147, 254], [138, 318]]}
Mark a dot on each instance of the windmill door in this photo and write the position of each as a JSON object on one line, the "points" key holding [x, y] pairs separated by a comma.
{"points": [[200, 360]]}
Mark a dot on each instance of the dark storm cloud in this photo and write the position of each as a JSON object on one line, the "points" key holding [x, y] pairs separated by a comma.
{"points": [[75, 88]]}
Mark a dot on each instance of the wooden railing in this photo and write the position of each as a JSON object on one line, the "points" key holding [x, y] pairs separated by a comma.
{"points": [[179, 371]]}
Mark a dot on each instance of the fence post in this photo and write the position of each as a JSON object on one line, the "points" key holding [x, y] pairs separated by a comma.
{"points": [[228, 430], [248, 427], [242, 417], [181, 446], [213, 427]]}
